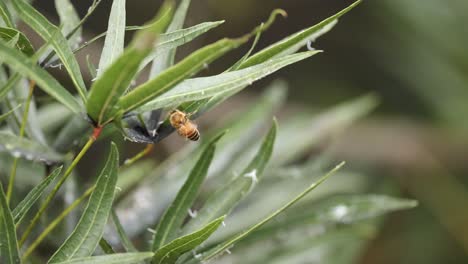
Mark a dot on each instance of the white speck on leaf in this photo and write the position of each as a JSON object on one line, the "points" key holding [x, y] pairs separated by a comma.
{"points": [[309, 45], [253, 177], [340, 211], [192, 214]]}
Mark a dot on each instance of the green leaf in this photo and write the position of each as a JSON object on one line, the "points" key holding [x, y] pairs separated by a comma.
{"points": [[222, 84], [166, 59], [171, 252], [9, 253], [5, 15], [83, 240], [119, 258], [225, 199], [22, 64], [126, 242], [5, 115], [91, 68], [166, 179], [116, 79], [165, 41], [69, 20], [52, 116], [105, 246], [312, 130], [23, 207], [342, 209], [170, 223], [177, 73], [114, 43], [172, 40], [237, 65], [22, 147], [222, 247], [13, 40], [75, 129], [10, 84], [296, 41], [21, 44], [52, 34]]}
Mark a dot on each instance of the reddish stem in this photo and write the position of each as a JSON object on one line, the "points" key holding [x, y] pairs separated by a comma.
{"points": [[96, 132]]}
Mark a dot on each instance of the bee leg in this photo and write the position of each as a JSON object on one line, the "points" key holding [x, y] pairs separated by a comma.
{"points": [[191, 114]]}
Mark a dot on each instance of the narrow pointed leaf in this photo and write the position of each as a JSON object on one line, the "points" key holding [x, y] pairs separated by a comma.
{"points": [[21, 44], [341, 209], [166, 59], [13, 40], [296, 41], [6, 15], [178, 38], [69, 20], [166, 41], [10, 84], [225, 199], [52, 34], [5, 115], [85, 237], [124, 239], [244, 126], [312, 130], [9, 253], [237, 65], [22, 147], [91, 68], [170, 223], [177, 73], [171, 252], [119, 258], [222, 247], [114, 43], [23, 207], [116, 79], [22, 64], [224, 83]]}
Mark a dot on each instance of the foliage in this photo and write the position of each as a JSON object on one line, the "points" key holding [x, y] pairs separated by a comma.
{"points": [[196, 179]]}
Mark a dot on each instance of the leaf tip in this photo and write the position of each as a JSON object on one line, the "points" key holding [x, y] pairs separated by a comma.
{"points": [[413, 203], [275, 123], [330, 173], [337, 167], [218, 137], [281, 12]]}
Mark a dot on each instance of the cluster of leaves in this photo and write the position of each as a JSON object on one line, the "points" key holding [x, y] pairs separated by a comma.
{"points": [[192, 175]]}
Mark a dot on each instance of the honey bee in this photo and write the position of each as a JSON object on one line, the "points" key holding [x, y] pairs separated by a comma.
{"points": [[186, 128]]}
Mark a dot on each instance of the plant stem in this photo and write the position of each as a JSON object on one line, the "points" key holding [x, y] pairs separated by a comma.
{"points": [[62, 216], [11, 181], [54, 191], [138, 156], [54, 223]]}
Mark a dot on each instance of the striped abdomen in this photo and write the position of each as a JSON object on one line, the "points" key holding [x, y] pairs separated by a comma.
{"points": [[194, 135]]}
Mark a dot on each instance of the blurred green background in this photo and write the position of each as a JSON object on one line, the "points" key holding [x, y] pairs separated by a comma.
{"points": [[413, 54]]}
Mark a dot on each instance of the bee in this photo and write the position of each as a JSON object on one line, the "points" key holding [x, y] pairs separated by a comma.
{"points": [[186, 128]]}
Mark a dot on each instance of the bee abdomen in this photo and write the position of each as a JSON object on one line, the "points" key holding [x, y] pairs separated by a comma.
{"points": [[194, 135]]}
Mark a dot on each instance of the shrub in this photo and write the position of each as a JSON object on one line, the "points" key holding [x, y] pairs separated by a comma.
{"points": [[52, 138]]}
